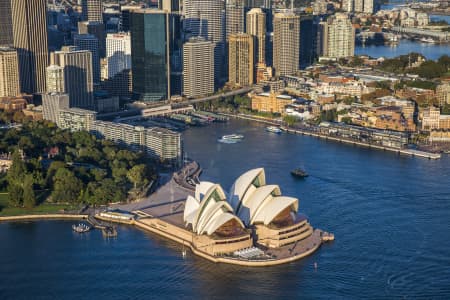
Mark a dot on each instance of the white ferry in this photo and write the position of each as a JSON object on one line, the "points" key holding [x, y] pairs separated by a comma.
{"points": [[233, 136], [274, 129]]}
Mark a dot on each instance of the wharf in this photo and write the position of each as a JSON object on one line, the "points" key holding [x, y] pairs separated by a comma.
{"points": [[410, 152]]}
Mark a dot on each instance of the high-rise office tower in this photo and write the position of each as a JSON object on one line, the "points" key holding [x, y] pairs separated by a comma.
{"points": [[241, 59], [55, 79], [308, 40], [9, 72], [170, 5], [348, 5], [198, 67], [205, 18], [97, 29], [337, 36], [6, 32], [90, 43], [368, 6], [256, 26], [78, 81], [156, 54], [29, 21], [92, 10], [118, 52], [286, 43], [358, 5], [258, 3], [234, 17]]}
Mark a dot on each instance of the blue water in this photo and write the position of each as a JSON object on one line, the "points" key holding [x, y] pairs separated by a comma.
{"points": [[430, 51], [390, 215]]}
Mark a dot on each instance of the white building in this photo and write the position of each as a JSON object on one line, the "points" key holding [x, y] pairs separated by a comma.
{"points": [[118, 53]]}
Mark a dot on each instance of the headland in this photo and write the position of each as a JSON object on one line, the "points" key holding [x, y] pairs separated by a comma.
{"points": [[254, 225]]}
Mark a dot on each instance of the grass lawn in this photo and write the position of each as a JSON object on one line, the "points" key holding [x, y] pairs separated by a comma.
{"points": [[44, 208]]}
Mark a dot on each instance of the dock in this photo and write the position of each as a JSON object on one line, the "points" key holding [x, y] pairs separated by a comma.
{"points": [[107, 230], [409, 152]]}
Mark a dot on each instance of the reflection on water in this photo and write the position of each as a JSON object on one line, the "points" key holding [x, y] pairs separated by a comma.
{"points": [[430, 51], [390, 215]]}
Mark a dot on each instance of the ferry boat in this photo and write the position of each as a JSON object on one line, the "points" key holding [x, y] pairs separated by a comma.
{"points": [[274, 129], [233, 136], [299, 173]]}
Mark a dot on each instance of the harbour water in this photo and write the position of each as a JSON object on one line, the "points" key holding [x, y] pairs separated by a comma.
{"points": [[430, 51], [390, 215]]}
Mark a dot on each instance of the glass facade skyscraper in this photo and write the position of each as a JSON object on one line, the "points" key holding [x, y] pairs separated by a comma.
{"points": [[156, 54]]}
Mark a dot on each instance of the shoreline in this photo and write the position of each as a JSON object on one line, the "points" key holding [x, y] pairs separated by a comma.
{"points": [[43, 217], [155, 226], [409, 152]]}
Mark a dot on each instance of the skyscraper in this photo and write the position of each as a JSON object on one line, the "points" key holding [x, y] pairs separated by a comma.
{"points": [[29, 21], [256, 26], [337, 36], [9, 72], [6, 32], [170, 5], [205, 18], [308, 40], [198, 67], [156, 54], [234, 17], [92, 10], [98, 30], [78, 81], [241, 59], [118, 52], [55, 79], [286, 43], [90, 43]]}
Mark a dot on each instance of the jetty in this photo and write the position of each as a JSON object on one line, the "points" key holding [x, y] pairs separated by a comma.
{"points": [[401, 151], [107, 230]]}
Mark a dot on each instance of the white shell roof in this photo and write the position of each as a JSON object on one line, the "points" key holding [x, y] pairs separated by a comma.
{"points": [[255, 201], [202, 188], [206, 212], [241, 185], [272, 208]]}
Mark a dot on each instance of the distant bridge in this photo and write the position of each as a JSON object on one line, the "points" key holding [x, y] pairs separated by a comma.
{"points": [[441, 36]]}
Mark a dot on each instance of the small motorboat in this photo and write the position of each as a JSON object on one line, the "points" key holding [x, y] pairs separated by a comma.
{"points": [[299, 173]]}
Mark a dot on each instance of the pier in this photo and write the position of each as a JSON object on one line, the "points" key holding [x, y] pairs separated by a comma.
{"points": [[409, 152]]}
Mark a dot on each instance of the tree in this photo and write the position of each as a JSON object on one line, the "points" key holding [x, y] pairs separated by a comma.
{"points": [[137, 175], [29, 198], [66, 186], [15, 177]]}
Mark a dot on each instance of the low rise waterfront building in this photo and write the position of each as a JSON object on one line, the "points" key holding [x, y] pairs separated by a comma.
{"points": [[270, 102], [386, 138]]}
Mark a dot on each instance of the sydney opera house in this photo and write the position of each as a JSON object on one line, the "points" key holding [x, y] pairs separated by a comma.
{"points": [[252, 212], [253, 224]]}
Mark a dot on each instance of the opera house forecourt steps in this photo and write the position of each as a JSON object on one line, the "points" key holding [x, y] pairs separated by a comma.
{"points": [[252, 225]]}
